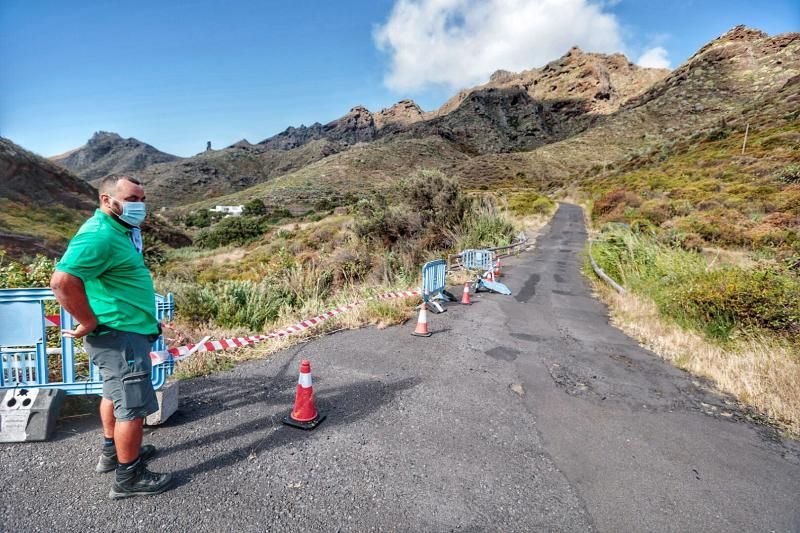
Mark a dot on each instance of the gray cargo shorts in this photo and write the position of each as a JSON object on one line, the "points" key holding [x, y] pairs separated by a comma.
{"points": [[124, 362]]}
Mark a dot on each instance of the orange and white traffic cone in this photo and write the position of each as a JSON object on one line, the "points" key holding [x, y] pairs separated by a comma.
{"points": [[422, 322], [305, 414], [497, 269], [465, 297]]}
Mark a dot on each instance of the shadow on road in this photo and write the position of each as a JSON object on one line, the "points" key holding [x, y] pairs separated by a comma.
{"points": [[344, 404]]}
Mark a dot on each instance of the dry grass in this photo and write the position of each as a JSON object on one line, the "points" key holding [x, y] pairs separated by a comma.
{"points": [[760, 372], [720, 256]]}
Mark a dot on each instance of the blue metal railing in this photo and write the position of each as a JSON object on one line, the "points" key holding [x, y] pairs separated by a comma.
{"points": [[25, 359]]}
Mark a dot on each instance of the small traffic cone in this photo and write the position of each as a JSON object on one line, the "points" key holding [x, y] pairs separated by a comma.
{"points": [[422, 322], [465, 297], [304, 415], [497, 268]]}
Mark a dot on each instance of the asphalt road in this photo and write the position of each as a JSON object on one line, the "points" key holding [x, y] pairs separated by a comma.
{"points": [[521, 413]]}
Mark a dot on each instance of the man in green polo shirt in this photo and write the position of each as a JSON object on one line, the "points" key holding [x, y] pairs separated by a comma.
{"points": [[103, 282]]}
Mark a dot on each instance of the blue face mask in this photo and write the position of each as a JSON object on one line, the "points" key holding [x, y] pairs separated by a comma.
{"points": [[133, 213]]}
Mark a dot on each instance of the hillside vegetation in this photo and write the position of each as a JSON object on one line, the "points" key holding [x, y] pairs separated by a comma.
{"points": [[41, 204], [703, 191]]}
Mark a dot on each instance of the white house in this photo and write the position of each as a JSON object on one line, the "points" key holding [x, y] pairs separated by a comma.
{"points": [[229, 210]]}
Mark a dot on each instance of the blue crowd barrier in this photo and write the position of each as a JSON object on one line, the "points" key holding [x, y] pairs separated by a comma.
{"points": [[434, 274], [24, 355], [483, 261]]}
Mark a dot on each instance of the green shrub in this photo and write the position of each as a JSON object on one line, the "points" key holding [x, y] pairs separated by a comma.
{"points": [[36, 273], [542, 205], [198, 219], [732, 297], [254, 208], [719, 301], [426, 206], [234, 304], [231, 230], [529, 203], [615, 201], [484, 226]]}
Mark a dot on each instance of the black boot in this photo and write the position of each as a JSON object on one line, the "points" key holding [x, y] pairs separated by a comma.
{"points": [[108, 458], [137, 480]]}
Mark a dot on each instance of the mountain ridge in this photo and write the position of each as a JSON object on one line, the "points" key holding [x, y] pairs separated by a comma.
{"points": [[711, 85], [509, 113], [108, 153], [535, 127]]}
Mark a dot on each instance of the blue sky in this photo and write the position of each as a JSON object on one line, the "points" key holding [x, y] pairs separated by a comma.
{"points": [[179, 73]]}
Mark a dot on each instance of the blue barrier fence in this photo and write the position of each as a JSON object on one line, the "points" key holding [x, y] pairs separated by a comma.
{"points": [[27, 361], [483, 261], [434, 282], [433, 278], [478, 260]]}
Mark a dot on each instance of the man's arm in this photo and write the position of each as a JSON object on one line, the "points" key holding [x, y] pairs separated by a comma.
{"points": [[71, 294]]}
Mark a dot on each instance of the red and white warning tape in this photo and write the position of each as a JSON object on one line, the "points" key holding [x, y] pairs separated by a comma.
{"points": [[182, 352]]}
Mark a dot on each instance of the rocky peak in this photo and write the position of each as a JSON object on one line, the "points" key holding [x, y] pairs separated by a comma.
{"points": [[243, 143], [574, 52], [742, 33], [358, 121], [359, 110], [738, 35], [741, 65], [501, 76], [104, 136], [403, 112], [598, 83]]}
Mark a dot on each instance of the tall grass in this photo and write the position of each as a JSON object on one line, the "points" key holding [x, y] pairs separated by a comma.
{"points": [[485, 225], [723, 301]]}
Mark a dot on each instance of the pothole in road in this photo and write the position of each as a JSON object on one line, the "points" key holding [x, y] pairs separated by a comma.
{"points": [[528, 290], [503, 353], [571, 382]]}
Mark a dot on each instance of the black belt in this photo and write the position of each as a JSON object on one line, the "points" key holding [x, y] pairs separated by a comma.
{"points": [[102, 329]]}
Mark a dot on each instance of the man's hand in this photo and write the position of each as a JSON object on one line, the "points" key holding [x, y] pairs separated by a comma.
{"points": [[81, 331], [71, 294]]}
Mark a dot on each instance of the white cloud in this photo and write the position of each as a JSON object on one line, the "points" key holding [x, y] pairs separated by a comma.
{"points": [[458, 43], [655, 57]]}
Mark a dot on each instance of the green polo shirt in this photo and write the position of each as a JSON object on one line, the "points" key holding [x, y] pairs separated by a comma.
{"points": [[118, 285]]}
